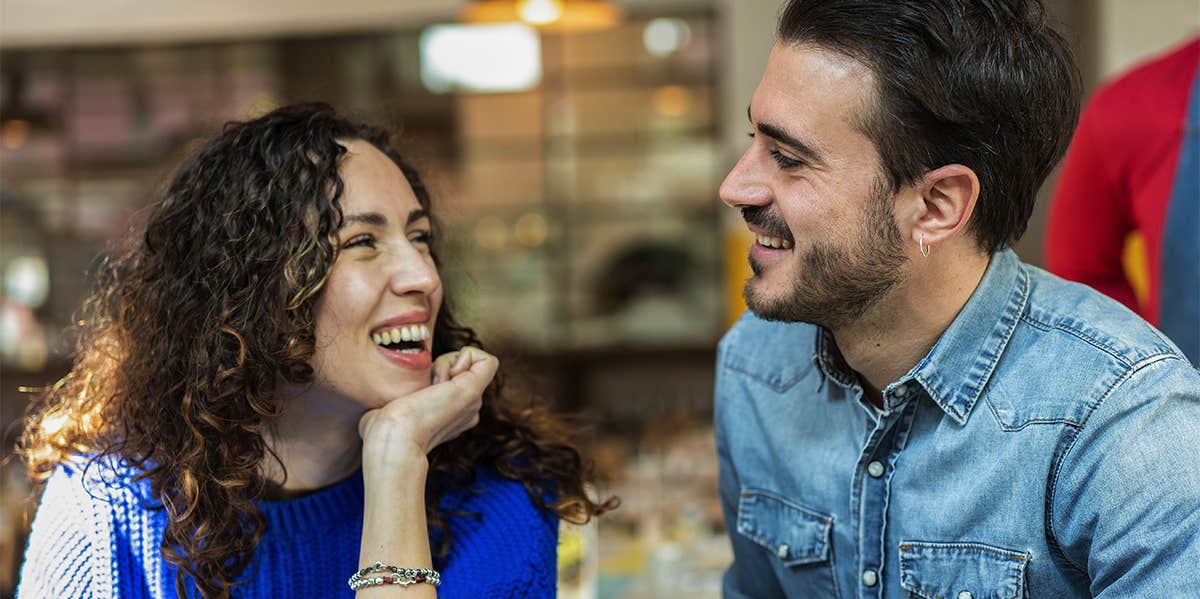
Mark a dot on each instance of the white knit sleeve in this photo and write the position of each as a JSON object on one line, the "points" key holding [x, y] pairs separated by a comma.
{"points": [[70, 550]]}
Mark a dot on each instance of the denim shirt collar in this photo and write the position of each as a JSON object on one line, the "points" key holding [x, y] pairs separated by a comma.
{"points": [[957, 369]]}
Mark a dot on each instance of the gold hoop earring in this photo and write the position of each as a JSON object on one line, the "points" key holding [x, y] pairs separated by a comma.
{"points": [[925, 249]]}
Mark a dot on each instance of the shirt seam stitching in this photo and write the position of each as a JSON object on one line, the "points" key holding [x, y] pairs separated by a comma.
{"points": [[1020, 309], [1012, 429], [910, 545], [1058, 463], [777, 386], [1100, 345], [752, 531]]}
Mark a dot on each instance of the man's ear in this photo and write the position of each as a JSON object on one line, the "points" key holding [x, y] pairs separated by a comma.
{"points": [[947, 199]]}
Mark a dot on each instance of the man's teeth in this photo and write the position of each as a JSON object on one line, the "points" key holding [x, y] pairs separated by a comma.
{"points": [[416, 332], [774, 242]]}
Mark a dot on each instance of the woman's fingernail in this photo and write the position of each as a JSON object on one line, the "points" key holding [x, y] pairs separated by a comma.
{"points": [[436, 379]]}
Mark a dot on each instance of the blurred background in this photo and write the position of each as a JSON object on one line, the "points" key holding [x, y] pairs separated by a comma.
{"points": [[574, 148]]}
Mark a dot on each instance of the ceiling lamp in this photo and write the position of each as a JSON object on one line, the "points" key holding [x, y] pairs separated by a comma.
{"points": [[556, 15]]}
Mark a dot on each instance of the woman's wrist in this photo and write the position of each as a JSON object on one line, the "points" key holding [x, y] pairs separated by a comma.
{"points": [[395, 473], [394, 525], [387, 446]]}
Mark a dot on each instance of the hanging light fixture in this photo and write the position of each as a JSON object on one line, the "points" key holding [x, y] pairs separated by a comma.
{"points": [[558, 15], [540, 12]]}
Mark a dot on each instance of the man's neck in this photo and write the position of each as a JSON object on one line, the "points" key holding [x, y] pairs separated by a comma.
{"points": [[901, 329], [315, 446]]}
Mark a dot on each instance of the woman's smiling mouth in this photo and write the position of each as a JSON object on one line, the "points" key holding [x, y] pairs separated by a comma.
{"points": [[402, 338], [405, 345]]}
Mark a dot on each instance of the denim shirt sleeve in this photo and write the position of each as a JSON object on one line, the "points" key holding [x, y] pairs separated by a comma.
{"points": [[1126, 495], [750, 574]]}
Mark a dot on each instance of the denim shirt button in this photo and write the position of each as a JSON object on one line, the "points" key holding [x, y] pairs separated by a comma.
{"points": [[875, 469], [869, 578], [782, 552], [965, 595], [901, 390]]}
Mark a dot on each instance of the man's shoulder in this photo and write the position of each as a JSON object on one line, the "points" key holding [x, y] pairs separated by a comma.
{"points": [[1074, 349], [752, 331], [1089, 325], [777, 354]]}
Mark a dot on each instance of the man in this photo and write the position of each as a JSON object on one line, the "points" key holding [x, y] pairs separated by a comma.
{"points": [[1134, 167], [908, 410]]}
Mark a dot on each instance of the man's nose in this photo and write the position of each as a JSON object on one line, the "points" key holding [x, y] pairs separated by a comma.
{"points": [[744, 185]]}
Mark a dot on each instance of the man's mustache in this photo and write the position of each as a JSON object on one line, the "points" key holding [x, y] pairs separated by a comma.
{"points": [[768, 220]]}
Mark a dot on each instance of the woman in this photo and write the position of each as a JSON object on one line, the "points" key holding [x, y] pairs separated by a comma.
{"points": [[255, 410]]}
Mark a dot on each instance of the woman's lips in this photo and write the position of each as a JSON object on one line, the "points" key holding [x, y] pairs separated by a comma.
{"points": [[420, 360]]}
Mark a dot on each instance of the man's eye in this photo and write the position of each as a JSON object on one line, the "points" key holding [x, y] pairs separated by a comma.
{"points": [[366, 241], [785, 162]]}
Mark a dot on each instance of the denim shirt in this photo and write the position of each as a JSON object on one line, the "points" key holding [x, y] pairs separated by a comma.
{"points": [[1047, 446]]}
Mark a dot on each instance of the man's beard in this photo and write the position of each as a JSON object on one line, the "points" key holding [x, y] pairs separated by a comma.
{"points": [[834, 285]]}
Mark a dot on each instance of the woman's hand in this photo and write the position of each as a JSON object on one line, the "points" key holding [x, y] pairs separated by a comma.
{"points": [[397, 439], [408, 428]]}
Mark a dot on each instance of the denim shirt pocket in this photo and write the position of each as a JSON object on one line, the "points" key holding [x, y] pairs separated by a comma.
{"points": [[961, 570], [793, 534]]}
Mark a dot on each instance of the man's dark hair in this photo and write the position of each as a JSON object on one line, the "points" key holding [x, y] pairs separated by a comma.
{"points": [[983, 83]]}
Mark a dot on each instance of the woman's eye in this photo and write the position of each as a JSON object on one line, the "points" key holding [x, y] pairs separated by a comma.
{"points": [[785, 162], [422, 237], [366, 241]]}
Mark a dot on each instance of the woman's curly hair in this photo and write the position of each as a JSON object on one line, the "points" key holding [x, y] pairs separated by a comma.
{"points": [[186, 336]]}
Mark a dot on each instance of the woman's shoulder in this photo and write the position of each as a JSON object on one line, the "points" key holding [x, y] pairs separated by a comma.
{"points": [[498, 511], [87, 506], [101, 495], [492, 493], [503, 543], [109, 480]]}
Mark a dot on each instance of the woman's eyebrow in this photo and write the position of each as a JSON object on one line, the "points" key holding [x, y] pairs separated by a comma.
{"points": [[365, 218], [376, 219], [417, 215]]}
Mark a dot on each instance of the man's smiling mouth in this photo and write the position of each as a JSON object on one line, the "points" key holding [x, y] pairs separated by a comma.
{"points": [[770, 231], [772, 242]]}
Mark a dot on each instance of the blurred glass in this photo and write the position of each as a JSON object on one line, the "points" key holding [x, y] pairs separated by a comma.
{"points": [[480, 58]]}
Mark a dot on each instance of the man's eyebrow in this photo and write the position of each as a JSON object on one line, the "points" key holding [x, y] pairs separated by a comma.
{"points": [[778, 134]]}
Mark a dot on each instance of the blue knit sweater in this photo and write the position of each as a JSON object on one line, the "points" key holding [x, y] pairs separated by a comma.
{"points": [[95, 536]]}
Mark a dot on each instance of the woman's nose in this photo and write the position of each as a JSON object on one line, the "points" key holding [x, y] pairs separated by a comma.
{"points": [[414, 272]]}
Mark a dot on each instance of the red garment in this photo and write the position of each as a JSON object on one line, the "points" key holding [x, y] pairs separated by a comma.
{"points": [[1118, 176]]}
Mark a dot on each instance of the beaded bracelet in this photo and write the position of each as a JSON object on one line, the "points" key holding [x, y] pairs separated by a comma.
{"points": [[388, 574]]}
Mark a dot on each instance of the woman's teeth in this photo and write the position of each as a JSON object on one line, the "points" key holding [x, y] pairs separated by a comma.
{"points": [[773, 242], [416, 332]]}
